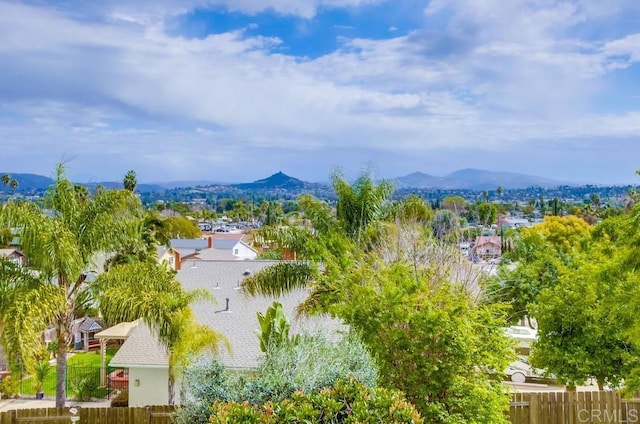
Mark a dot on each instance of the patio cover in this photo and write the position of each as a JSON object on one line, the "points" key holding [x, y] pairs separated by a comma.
{"points": [[118, 332]]}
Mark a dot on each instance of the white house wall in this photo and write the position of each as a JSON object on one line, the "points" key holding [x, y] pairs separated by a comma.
{"points": [[242, 251], [149, 386]]}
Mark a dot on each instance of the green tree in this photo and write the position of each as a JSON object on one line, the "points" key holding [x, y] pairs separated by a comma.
{"points": [[25, 305], [582, 328], [130, 181], [151, 292], [432, 342], [61, 246], [361, 204], [455, 204], [413, 209], [542, 253], [179, 227], [14, 185], [487, 213], [6, 179]]}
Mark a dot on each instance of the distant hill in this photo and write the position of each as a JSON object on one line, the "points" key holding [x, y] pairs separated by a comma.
{"points": [[113, 185], [29, 181], [417, 180], [474, 179], [279, 180]]}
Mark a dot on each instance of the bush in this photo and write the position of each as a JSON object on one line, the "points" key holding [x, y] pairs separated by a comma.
{"points": [[310, 365], [314, 363], [83, 387], [10, 386], [122, 400], [349, 401]]}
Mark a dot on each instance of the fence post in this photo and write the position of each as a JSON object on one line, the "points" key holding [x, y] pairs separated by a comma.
{"points": [[533, 408]]}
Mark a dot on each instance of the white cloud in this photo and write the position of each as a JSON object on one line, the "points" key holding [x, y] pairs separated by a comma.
{"points": [[499, 74]]}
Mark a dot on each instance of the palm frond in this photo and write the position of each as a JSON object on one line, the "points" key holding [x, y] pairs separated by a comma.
{"points": [[280, 278]]}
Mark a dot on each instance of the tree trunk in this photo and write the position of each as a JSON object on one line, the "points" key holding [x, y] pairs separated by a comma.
{"points": [[61, 370], [172, 385], [63, 329]]}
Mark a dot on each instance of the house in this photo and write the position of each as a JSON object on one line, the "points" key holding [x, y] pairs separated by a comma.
{"points": [[235, 316], [487, 247], [83, 331], [147, 362], [13, 255], [213, 247], [513, 222], [233, 243]]}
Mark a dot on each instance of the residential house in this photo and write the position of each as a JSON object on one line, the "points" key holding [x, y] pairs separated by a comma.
{"points": [[235, 316], [213, 247], [487, 247], [147, 362], [233, 243], [13, 255]]}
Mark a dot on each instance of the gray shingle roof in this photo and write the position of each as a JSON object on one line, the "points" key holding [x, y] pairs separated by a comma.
{"points": [[239, 324], [141, 349], [195, 244], [224, 244]]}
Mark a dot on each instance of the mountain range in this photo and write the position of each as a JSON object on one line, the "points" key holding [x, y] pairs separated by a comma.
{"points": [[464, 179]]}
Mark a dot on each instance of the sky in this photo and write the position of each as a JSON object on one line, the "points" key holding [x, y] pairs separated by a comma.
{"points": [[235, 90]]}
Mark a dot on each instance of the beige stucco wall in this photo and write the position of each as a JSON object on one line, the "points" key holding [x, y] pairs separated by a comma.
{"points": [[152, 388]]}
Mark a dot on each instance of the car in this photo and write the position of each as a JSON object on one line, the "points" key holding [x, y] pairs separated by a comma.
{"points": [[522, 333], [520, 370]]}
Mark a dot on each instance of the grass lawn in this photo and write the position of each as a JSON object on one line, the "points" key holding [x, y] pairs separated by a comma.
{"points": [[80, 365]]}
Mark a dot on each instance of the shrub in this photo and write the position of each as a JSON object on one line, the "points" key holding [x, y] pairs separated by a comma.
{"points": [[349, 401], [122, 400], [83, 387], [10, 386], [310, 365]]}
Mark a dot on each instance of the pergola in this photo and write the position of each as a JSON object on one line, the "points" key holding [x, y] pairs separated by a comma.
{"points": [[117, 332]]}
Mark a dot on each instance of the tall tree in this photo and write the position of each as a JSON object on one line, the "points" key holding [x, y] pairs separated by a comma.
{"points": [[150, 292], [61, 246], [361, 204], [6, 178], [14, 185], [130, 181]]}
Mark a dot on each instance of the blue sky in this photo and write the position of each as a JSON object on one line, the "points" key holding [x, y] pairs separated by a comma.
{"points": [[234, 90]]}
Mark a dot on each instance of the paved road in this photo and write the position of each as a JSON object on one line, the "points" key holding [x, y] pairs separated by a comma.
{"points": [[10, 404]]}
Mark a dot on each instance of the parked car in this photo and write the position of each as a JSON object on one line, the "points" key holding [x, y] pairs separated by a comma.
{"points": [[524, 335], [520, 370]]}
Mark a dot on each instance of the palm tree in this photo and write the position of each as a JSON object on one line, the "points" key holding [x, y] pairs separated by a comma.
{"points": [[152, 293], [24, 306], [130, 182], [14, 185], [485, 195], [6, 178], [61, 246], [361, 204], [325, 246]]}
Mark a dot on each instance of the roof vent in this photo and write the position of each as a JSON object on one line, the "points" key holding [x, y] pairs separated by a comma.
{"points": [[246, 272]]}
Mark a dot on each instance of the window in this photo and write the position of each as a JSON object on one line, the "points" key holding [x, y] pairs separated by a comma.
{"points": [[236, 251]]}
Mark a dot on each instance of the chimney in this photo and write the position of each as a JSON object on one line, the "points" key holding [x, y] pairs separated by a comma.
{"points": [[177, 260]]}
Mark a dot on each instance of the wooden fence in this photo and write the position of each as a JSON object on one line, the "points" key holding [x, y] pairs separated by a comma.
{"points": [[141, 415], [573, 408]]}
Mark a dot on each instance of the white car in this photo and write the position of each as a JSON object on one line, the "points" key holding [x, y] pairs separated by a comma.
{"points": [[519, 370], [524, 335]]}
